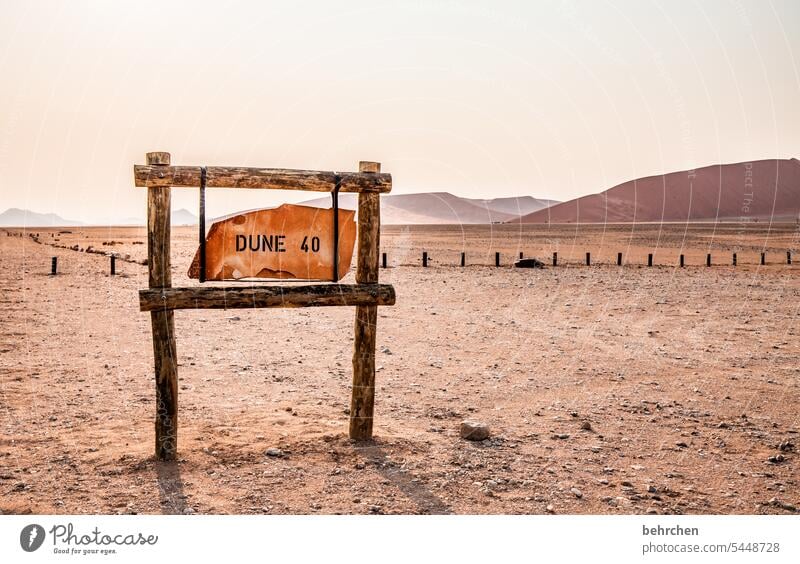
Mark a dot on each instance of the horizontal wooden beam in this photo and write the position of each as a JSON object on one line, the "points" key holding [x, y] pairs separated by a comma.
{"points": [[269, 178], [231, 297]]}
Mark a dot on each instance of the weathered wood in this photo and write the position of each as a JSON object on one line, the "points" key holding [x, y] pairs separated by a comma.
{"points": [[734, 259], [54, 266], [239, 297], [265, 178], [708, 259], [588, 259], [497, 259], [158, 158], [163, 322], [363, 397], [682, 261], [424, 258], [555, 259], [619, 259], [788, 257], [650, 259], [763, 259], [463, 259]]}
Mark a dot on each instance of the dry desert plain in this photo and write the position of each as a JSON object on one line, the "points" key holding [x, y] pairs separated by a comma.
{"points": [[608, 390]]}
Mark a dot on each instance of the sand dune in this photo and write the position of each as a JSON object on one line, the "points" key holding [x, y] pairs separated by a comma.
{"points": [[443, 208], [756, 190]]}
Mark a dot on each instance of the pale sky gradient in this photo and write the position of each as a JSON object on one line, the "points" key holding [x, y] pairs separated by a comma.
{"points": [[481, 99]]}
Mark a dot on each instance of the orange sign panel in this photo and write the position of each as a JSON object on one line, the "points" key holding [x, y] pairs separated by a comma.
{"points": [[286, 242]]}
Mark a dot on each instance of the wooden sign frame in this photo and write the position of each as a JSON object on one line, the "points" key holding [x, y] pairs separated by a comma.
{"points": [[161, 299]]}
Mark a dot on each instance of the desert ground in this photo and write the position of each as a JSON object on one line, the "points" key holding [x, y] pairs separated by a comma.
{"points": [[608, 390]]}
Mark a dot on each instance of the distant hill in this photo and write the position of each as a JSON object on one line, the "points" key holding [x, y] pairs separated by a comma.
{"points": [[184, 217], [751, 190], [15, 217], [442, 208], [515, 205]]}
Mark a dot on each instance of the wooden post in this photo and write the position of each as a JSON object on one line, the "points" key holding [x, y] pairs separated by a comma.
{"points": [[369, 231], [649, 259], [555, 259], [383, 260], [734, 259], [708, 259], [619, 259], [588, 259], [788, 257], [497, 259], [163, 322], [54, 266], [681, 261], [113, 265], [520, 255], [425, 259], [463, 259], [763, 259]]}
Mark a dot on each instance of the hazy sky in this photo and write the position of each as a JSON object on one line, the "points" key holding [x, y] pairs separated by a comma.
{"points": [[482, 99]]}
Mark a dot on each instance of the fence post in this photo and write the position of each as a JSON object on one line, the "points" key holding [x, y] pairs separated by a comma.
{"points": [[619, 259], [113, 265], [734, 259], [424, 259], [555, 259], [588, 259], [383, 259], [520, 255], [497, 259], [681, 261], [362, 402], [708, 259], [763, 259], [165, 355], [463, 258], [54, 266], [650, 259], [788, 257]]}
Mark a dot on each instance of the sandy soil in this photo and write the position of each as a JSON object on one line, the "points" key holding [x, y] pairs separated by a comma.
{"points": [[608, 390]]}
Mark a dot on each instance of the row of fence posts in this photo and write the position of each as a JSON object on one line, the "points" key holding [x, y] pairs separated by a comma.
{"points": [[385, 263], [54, 266], [682, 261]]}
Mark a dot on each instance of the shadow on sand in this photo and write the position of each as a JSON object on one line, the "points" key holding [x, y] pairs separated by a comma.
{"points": [[427, 503], [170, 488]]}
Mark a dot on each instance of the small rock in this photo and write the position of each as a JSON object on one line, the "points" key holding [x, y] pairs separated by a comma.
{"points": [[474, 431], [385, 350], [188, 511], [586, 426], [576, 492], [723, 425], [561, 436], [786, 446], [681, 444], [274, 452], [777, 459], [550, 508], [783, 505], [626, 484]]}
